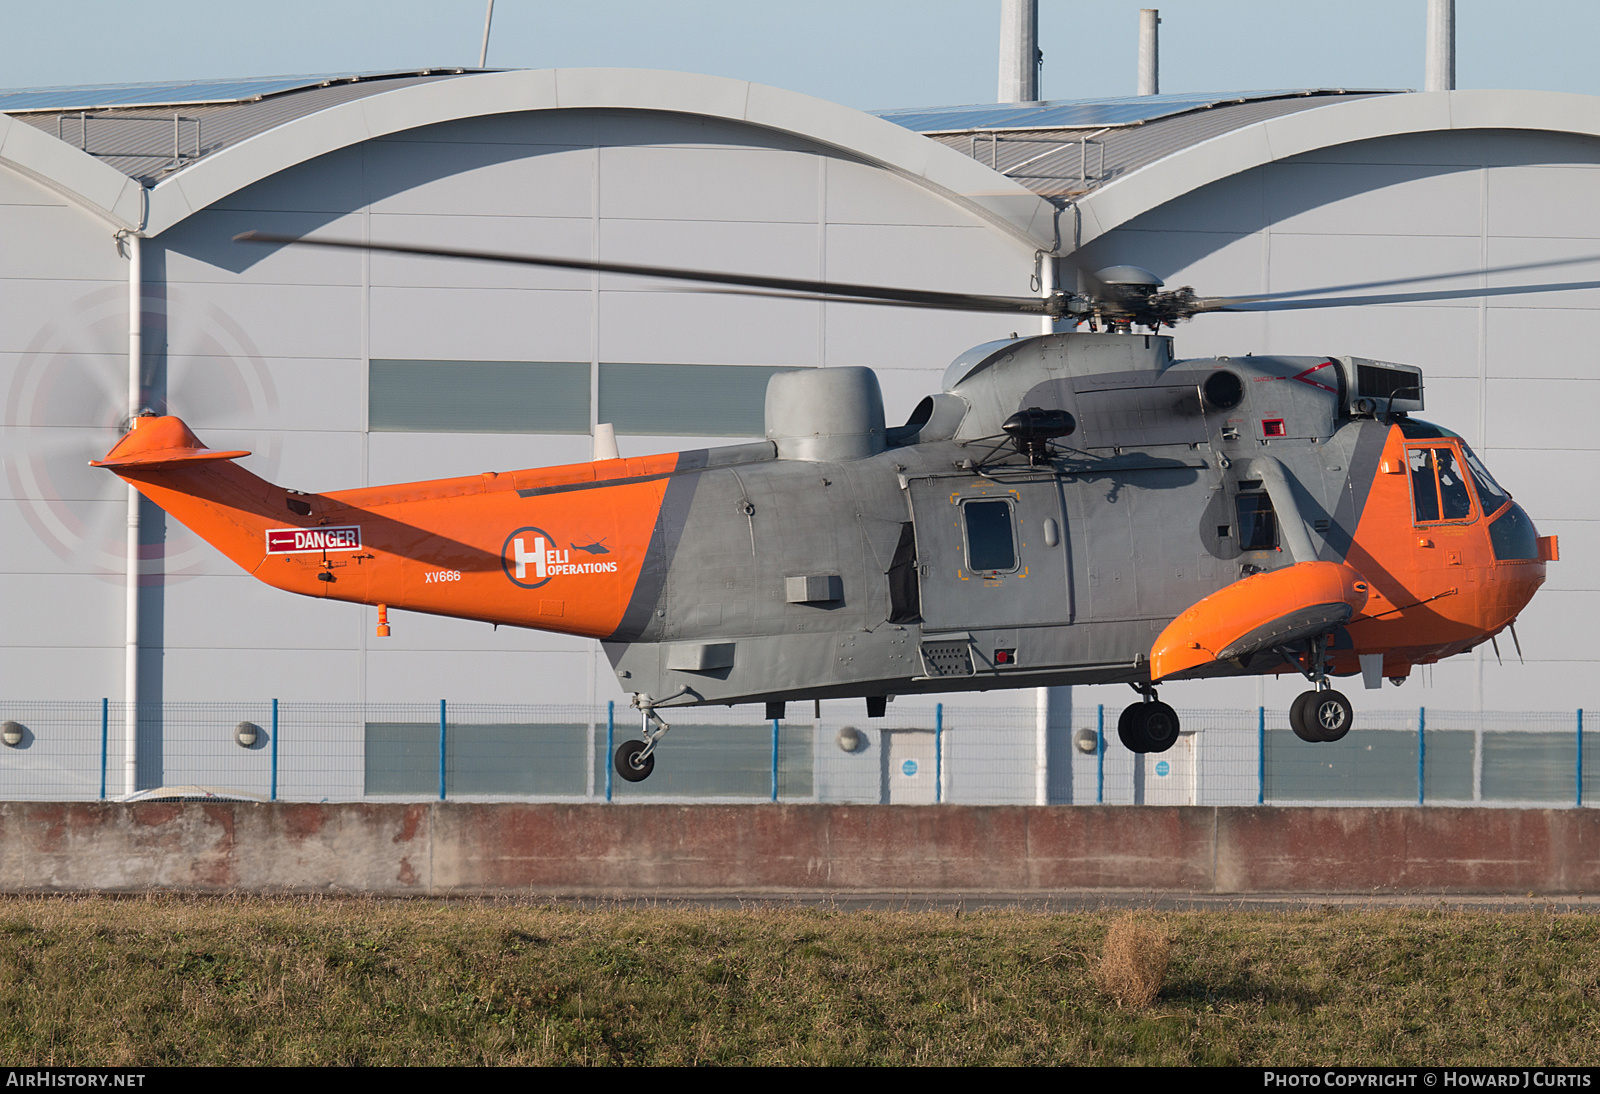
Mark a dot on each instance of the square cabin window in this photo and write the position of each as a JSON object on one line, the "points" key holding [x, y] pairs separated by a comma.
{"points": [[991, 547]]}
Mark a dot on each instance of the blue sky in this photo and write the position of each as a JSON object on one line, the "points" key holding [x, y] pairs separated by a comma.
{"points": [[863, 53]]}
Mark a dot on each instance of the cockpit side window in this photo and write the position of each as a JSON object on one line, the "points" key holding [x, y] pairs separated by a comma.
{"points": [[1490, 492], [1439, 490]]}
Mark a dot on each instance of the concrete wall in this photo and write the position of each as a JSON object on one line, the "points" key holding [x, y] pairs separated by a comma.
{"points": [[646, 850]]}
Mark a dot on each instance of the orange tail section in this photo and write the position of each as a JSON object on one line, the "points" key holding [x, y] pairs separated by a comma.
{"points": [[1261, 611], [559, 549]]}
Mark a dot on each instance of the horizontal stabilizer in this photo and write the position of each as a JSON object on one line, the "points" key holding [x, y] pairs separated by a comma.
{"points": [[1258, 613], [154, 442]]}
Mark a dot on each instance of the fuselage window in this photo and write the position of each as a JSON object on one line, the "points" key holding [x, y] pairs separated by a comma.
{"points": [[1258, 524], [990, 545], [1424, 490], [1489, 491]]}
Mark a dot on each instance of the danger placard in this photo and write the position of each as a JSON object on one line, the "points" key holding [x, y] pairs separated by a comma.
{"points": [[288, 541]]}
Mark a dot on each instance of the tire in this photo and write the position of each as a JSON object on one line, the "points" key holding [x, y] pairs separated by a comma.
{"points": [[1125, 732], [1148, 727], [625, 765], [1331, 715], [1160, 726], [1299, 720]]}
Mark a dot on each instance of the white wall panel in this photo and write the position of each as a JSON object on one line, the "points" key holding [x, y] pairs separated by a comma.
{"points": [[1373, 199], [1307, 261], [419, 633], [490, 179], [205, 674], [1550, 342], [266, 320], [1555, 201], [86, 537], [56, 241], [1579, 567], [52, 463], [240, 613], [1543, 414], [297, 394], [202, 249], [53, 316], [771, 249], [951, 259], [65, 610], [413, 457], [715, 184], [557, 237], [434, 324], [859, 193], [697, 328], [477, 677], [327, 184], [55, 672]]}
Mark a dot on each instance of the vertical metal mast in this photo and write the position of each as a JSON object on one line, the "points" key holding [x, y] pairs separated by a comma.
{"points": [[1149, 52], [1440, 74], [1019, 51]]}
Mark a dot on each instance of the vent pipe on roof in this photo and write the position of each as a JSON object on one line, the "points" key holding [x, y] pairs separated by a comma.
{"points": [[1020, 57], [1441, 69], [1149, 52]]}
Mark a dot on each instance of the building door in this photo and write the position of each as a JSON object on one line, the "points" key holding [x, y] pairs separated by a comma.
{"points": [[910, 762]]}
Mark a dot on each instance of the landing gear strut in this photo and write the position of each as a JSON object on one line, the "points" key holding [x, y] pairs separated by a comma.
{"points": [[1322, 715], [634, 760], [1148, 726]]}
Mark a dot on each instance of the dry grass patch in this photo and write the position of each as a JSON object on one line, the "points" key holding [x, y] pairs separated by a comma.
{"points": [[1135, 961]]}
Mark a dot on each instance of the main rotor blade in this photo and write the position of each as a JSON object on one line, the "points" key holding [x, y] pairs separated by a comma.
{"points": [[1353, 286], [840, 291], [1397, 298]]}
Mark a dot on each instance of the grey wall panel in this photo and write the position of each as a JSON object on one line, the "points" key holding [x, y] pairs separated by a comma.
{"points": [[479, 324], [309, 461], [858, 193], [266, 320], [420, 633], [411, 457], [56, 383], [559, 237], [1552, 342], [61, 672], [206, 674], [1222, 263], [240, 613], [908, 337], [1579, 567], [892, 254], [1236, 204], [79, 538], [904, 388], [478, 396], [17, 189], [202, 249], [1554, 201], [327, 184], [1543, 414], [63, 610], [478, 677], [697, 328], [1435, 339], [492, 179], [51, 464], [294, 394], [1373, 199], [54, 241], [711, 184], [44, 315], [1308, 261], [765, 248], [1462, 148], [1453, 403], [1551, 484]]}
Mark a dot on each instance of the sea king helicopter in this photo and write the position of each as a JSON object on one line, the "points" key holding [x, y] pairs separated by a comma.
{"points": [[1074, 508]]}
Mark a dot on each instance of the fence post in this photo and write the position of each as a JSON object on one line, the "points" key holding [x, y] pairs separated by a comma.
{"points": [[1580, 758], [1261, 755], [104, 733], [274, 750], [441, 749], [1100, 755], [611, 731], [774, 759], [1422, 751], [938, 753]]}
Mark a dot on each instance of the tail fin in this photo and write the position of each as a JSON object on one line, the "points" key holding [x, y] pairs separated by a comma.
{"points": [[227, 506]]}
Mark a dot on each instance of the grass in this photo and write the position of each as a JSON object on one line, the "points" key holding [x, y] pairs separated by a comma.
{"points": [[178, 980]]}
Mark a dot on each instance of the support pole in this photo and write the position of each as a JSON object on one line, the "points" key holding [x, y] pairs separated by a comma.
{"points": [[611, 733], [1440, 73], [105, 733], [1579, 795], [774, 759], [441, 749], [1149, 52], [938, 753], [1422, 752], [1261, 755], [1100, 756], [130, 656], [1019, 51], [274, 795]]}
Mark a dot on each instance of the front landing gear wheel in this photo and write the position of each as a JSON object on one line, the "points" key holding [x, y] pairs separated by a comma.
{"points": [[628, 764], [1148, 727]]}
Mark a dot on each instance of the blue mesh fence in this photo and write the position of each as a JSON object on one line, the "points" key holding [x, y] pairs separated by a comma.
{"points": [[916, 753]]}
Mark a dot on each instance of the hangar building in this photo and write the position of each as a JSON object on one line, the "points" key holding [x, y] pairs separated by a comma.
{"points": [[340, 370]]}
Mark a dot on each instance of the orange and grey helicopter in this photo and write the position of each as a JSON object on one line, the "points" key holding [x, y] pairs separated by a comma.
{"points": [[1075, 508]]}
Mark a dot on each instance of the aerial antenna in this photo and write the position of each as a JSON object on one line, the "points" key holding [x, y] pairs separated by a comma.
{"points": [[483, 54]]}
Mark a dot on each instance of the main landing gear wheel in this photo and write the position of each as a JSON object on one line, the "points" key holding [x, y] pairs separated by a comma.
{"points": [[1321, 717], [1148, 727], [628, 764]]}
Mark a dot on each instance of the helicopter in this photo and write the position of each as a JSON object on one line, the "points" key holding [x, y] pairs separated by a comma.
{"points": [[1082, 507]]}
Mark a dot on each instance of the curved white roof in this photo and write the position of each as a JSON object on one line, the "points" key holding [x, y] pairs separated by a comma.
{"points": [[408, 105]]}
